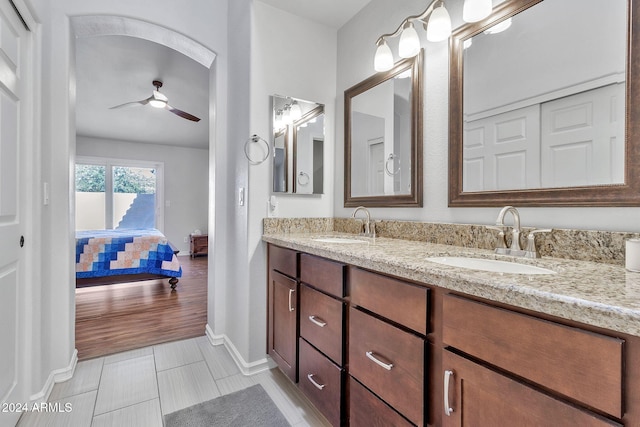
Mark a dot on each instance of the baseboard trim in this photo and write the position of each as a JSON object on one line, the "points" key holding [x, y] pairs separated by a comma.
{"points": [[247, 368], [56, 376]]}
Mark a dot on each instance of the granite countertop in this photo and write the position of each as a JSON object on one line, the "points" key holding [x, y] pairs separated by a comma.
{"points": [[601, 295]]}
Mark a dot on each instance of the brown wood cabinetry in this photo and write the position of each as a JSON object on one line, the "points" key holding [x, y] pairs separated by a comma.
{"points": [[282, 324], [480, 396], [580, 365], [198, 244], [373, 350]]}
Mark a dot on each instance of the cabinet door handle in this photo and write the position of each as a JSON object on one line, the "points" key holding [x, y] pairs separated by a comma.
{"points": [[386, 366], [447, 377], [318, 321], [318, 386], [291, 291]]}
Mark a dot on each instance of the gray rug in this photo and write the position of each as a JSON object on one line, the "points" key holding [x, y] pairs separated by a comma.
{"points": [[249, 407]]}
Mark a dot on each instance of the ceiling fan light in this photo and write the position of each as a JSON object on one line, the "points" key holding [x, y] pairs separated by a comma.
{"points": [[409, 45], [476, 10], [439, 26], [158, 103], [383, 60]]}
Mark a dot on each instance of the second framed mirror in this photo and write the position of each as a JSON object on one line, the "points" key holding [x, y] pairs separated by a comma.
{"points": [[383, 138]]}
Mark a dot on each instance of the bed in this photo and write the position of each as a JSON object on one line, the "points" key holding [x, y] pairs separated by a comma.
{"points": [[117, 256]]}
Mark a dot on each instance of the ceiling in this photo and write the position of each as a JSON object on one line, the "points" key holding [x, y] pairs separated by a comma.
{"points": [[113, 70], [332, 13]]}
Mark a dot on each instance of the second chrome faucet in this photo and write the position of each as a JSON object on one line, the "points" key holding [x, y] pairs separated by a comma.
{"points": [[368, 227], [515, 248]]}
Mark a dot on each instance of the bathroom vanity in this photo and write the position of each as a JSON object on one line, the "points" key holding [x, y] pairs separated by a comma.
{"points": [[373, 334]]}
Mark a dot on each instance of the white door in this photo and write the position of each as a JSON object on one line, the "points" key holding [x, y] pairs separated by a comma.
{"points": [[14, 144], [583, 138], [376, 167]]}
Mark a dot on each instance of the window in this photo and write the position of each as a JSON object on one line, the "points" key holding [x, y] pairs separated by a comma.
{"points": [[118, 194]]}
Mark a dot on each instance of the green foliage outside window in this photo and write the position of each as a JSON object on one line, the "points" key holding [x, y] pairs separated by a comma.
{"points": [[91, 179]]}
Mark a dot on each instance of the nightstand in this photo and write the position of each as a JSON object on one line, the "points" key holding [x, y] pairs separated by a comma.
{"points": [[198, 244]]}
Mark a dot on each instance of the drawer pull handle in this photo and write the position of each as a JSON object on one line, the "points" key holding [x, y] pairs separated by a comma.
{"points": [[318, 321], [291, 291], [447, 409], [386, 366], [318, 386]]}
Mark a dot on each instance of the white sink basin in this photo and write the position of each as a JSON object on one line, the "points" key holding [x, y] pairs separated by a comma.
{"points": [[490, 265], [338, 240]]}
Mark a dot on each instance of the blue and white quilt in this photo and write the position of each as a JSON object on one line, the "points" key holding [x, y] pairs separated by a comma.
{"points": [[132, 251]]}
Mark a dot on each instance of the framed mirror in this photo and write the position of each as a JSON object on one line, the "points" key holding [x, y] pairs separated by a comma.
{"points": [[298, 146], [383, 138], [542, 115]]}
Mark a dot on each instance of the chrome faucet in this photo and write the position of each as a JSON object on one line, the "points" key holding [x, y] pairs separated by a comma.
{"points": [[369, 229], [515, 248], [515, 230]]}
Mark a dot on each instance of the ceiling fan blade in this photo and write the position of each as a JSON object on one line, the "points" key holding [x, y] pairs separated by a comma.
{"points": [[182, 114], [134, 103]]}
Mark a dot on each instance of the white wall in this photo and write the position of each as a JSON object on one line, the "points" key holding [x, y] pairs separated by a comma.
{"points": [[294, 57], [186, 183], [205, 21], [356, 47]]}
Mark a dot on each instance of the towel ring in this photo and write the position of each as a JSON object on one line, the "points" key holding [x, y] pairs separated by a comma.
{"points": [[303, 178], [386, 164], [255, 139]]}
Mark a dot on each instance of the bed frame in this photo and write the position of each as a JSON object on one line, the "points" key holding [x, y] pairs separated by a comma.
{"points": [[124, 278]]}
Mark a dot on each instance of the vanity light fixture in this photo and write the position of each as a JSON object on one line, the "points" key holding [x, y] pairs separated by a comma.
{"points": [[438, 28]]}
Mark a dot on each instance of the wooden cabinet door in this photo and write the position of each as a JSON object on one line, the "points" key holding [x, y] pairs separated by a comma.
{"points": [[478, 396], [282, 327]]}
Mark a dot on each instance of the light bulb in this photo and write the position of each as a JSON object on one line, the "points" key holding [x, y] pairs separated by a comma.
{"points": [[409, 45], [383, 60], [476, 10], [296, 111], [439, 26]]}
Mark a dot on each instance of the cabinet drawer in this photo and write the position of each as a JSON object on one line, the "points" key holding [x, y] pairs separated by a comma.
{"points": [[398, 301], [283, 260], [366, 410], [328, 276], [487, 398], [321, 382], [581, 365], [321, 322], [401, 383]]}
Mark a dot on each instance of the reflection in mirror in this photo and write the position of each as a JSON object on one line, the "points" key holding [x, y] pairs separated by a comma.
{"points": [[298, 141], [383, 142], [565, 126], [537, 112], [280, 143], [308, 137]]}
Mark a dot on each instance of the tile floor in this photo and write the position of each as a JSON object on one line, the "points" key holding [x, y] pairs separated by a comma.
{"points": [[136, 388]]}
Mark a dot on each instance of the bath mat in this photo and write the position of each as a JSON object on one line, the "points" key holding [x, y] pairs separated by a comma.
{"points": [[249, 407]]}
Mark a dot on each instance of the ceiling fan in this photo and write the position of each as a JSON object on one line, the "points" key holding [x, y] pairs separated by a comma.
{"points": [[159, 100]]}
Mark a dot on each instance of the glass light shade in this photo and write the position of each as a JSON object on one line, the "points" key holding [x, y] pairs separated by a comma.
{"points": [[439, 25], [383, 60], [476, 10], [409, 45], [159, 100], [296, 111], [499, 27], [157, 103]]}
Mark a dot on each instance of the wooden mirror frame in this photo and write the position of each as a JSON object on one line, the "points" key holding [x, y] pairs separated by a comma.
{"points": [[626, 194], [414, 198]]}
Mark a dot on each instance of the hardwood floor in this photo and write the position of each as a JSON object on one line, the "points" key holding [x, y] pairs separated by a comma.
{"points": [[126, 316]]}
